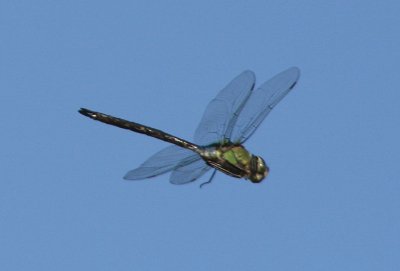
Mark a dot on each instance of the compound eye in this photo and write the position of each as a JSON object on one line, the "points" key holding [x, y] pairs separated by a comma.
{"points": [[259, 170]]}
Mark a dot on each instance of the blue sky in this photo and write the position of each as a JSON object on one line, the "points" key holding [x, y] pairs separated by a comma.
{"points": [[331, 201]]}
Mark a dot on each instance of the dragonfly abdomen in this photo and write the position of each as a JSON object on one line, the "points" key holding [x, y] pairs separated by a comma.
{"points": [[139, 128]]}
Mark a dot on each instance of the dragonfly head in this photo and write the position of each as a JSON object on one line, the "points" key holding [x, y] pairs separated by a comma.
{"points": [[258, 169]]}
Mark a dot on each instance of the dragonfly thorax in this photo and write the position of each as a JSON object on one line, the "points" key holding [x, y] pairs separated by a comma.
{"points": [[236, 161]]}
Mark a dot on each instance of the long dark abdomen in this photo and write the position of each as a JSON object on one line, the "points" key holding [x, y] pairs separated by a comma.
{"points": [[139, 128]]}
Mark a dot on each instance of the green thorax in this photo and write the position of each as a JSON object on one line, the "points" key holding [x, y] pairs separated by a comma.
{"points": [[236, 155], [236, 161]]}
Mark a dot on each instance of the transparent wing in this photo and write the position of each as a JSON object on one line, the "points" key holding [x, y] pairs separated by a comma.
{"points": [[261, 102], [161, 162], [188, 172], [221, 113]]}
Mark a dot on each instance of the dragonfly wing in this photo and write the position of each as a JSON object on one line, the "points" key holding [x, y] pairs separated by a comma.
{"points": [[262, 101], [161, 162], [222, 111], [188, 172]]}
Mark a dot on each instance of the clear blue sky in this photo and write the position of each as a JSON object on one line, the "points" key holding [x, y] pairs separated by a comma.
{"points": [[331, 201]]}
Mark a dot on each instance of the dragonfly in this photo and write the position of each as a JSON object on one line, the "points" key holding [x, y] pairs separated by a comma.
{"points": [[229, 120]]}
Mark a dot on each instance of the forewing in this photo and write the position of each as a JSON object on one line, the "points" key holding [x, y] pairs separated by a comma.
{"points": [[223, 109], [188, 172], [262, 101], [161, 162]]}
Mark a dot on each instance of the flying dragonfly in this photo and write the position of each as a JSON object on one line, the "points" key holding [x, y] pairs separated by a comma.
{"points": [[228, 121]]}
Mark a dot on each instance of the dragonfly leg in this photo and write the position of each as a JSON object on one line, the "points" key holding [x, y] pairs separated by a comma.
{"points": [[209, 180]]}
